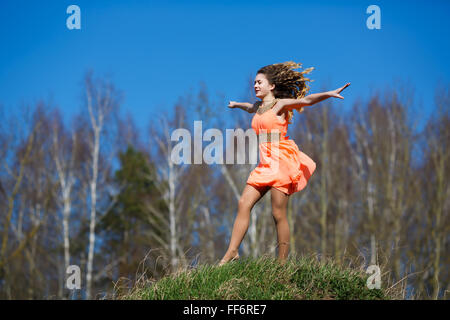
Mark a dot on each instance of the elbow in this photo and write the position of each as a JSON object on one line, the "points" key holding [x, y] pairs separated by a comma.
{"points": [[296, 105], [305, 102], [302, 104]]}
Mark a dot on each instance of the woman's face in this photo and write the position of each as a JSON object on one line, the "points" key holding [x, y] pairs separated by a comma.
{"points": [[262, 86]]}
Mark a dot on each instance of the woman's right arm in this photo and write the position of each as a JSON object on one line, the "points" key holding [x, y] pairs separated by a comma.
{"points": [[242, 105]]}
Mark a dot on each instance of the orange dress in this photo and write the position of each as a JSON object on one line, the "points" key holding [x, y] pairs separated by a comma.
{"points": [[282, 165]]}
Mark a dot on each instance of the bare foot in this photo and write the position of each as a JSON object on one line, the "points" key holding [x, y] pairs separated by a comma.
{"points": [[234, 255], [282, 261]]}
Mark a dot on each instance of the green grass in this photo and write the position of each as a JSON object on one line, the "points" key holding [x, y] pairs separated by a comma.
{"points": [[263, 279]]}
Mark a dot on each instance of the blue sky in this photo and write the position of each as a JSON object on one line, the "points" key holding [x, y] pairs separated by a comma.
{"points": [[159, 51]]}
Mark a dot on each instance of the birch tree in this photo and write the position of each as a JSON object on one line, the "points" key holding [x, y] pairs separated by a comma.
{"points": [[168, 176], [101, 102], [64, 151]]}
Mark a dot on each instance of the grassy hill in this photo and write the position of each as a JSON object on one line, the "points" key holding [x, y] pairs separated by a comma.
{"points": [[265, 278]]}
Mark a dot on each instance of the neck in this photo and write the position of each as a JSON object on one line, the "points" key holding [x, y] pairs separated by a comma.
{"points": [[268, 99]]}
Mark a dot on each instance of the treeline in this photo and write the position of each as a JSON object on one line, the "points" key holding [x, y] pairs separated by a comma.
{"points": [[101, 194]]}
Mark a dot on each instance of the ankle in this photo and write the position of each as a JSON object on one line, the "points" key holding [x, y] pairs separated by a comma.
{"points": [[230, 254]]}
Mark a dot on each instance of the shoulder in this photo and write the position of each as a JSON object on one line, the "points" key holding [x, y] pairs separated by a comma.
{"points": [[255, 107], [279, 106], [257, 104]]}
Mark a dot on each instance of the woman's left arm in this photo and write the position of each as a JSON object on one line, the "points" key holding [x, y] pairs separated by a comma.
{"points": [[312, 99]]}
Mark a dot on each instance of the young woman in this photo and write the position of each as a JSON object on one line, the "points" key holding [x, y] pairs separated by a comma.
{"points": [[283, 168]]}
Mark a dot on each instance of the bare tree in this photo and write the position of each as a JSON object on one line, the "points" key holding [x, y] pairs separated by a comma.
{"points": [[438, 168], [23, 157], [63, 152], [101, 101]]}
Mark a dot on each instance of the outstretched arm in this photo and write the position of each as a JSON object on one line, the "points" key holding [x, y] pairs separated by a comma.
{"points": [[242, 105], [309, 100]]}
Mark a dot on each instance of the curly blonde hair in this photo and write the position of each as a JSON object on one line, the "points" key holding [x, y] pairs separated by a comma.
{"points": [[288, 83]]}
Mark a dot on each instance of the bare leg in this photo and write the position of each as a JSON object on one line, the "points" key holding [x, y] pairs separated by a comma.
{"points": [[279, 208], [249, 198]]}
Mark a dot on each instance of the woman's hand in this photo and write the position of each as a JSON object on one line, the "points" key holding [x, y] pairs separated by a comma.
{"points": [[241, 105], [336, 93], [232, 104]]}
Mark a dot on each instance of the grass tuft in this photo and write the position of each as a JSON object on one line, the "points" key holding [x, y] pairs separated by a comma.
{"points": [[264, 278]]}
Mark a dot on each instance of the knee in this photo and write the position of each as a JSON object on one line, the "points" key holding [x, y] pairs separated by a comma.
{"points": [[243, 205], [279, 215]]}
